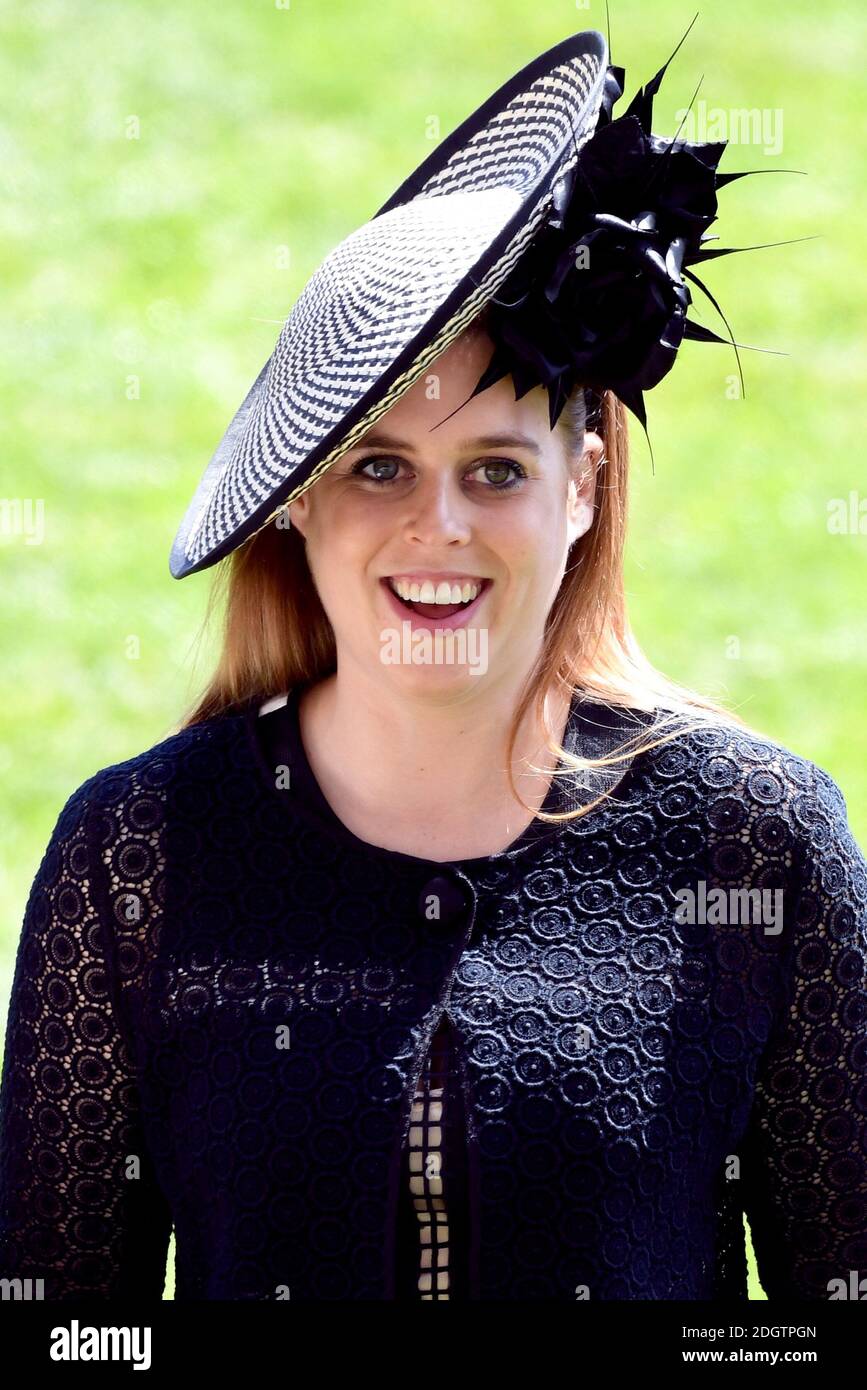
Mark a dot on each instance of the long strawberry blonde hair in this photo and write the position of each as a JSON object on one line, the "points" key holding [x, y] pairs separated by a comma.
{"points": [[276, 635]]}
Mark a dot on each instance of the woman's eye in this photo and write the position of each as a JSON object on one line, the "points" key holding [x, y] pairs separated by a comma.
{"points": [[501, 482], [375, 463]]}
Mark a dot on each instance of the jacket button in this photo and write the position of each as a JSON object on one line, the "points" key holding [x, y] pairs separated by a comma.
{"points": [[442, 901]]}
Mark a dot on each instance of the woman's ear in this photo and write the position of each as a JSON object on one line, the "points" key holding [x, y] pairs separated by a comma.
{"points": [[582, 489], [594, 449], [298, 513]]}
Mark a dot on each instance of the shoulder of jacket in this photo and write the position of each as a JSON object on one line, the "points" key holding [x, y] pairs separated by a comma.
{"points": [[724, 759]]}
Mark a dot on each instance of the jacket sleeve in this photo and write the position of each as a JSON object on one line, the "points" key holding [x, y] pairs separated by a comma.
{"points": [[79, 1206], [805, 1151]]}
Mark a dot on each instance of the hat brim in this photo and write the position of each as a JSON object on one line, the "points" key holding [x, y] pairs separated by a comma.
{"points": [[254, 473]]}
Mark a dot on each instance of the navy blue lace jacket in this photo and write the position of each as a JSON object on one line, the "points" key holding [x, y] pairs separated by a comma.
{"points": [[223, 999]]}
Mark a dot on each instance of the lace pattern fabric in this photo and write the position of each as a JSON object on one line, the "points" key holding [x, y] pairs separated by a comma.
{"points": [[217, 1001]]}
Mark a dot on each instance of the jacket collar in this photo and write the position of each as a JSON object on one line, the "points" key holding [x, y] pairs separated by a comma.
{"points": [[596, 729]]}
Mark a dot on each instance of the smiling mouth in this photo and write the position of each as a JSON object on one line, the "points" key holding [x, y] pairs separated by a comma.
{"points": [[432, 611]]}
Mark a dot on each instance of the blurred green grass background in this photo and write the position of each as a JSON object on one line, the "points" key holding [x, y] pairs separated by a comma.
{"points": [[159, 161]]}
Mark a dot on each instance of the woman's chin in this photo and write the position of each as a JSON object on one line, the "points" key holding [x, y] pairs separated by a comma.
{"points": [[442, 678]]}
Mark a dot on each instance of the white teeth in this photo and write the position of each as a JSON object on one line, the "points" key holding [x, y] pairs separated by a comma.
{"points": [[443, 593]]}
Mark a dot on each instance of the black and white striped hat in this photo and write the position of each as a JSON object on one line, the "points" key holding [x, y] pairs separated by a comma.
{"points": [[392, 296]]}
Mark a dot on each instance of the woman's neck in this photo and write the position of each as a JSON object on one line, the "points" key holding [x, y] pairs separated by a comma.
{"points": [[426, 772]]}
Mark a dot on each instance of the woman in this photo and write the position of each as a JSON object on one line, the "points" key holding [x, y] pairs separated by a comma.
{"points": [[447, 950]]}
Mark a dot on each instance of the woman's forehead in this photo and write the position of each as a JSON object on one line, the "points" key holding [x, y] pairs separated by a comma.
{"points": [[437, 408]]}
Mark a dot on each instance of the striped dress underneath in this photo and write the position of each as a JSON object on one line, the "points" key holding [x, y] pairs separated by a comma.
{"points": [[432, 1217]]}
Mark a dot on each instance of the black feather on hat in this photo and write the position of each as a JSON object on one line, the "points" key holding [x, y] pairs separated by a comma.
{"points": [[600, 298]]}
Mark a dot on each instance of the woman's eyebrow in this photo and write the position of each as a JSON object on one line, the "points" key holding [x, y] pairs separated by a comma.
{"points": [[378, 439]]}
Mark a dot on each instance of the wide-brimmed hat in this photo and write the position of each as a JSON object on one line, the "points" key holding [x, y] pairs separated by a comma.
{"points": [[584, 223], [394, 294]]}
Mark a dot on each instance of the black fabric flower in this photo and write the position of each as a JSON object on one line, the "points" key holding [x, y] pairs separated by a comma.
{"points": [[600, 296]]}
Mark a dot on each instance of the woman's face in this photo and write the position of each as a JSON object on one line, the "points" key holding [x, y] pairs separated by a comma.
{"points": [[488, 495]]}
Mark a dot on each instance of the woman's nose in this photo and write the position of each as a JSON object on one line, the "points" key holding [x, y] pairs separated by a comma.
{"points": [[437, 512]]}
